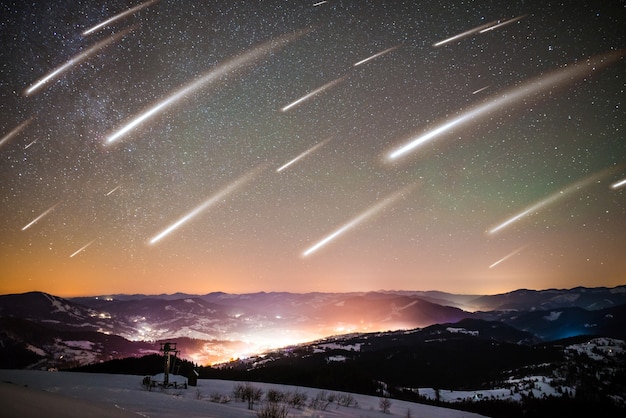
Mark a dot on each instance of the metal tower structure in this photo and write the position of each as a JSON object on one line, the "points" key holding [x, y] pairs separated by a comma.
{"points": [[169, 353]]}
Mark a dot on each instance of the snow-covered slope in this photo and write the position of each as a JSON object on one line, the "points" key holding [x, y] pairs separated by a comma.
{"points": [[125, 393]]}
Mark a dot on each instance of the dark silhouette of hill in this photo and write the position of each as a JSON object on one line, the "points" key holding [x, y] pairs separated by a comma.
{"points": [[38, 306], [467, 355], [555, 324], [149, 365], [27, 344], [461, 355]]}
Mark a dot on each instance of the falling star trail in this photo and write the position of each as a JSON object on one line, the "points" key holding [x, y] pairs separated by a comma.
{"points": [[245, 59], [463, 34], [506, 257], [38, 218], [313, 93], [30, 144], [81, 249], [377, 55], [118, 17], [19, 128], [302, 155], [521, 93], [368, 213], [211, 201], [618, 185], [551, 199], [480, 89], [74, 61], [501, 24], [113, 190]]}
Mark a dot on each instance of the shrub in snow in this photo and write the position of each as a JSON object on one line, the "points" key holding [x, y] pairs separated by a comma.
{"points": [[273, 410], [297, 399], [320, 401], [274, 396], [346, 400]]}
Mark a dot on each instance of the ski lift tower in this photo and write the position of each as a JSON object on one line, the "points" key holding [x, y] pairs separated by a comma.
{"points": [[169, 351]]}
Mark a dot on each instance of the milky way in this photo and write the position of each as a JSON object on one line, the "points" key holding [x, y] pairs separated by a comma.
{"points": [[244, 131]]}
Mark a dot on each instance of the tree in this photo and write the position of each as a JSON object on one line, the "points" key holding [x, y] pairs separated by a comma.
{"points": [[384, 405]]}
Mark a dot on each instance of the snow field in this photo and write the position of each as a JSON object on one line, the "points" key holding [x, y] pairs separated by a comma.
{"points": [[127, 393]]}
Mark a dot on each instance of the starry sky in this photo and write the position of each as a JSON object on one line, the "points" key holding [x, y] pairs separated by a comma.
{"points": [[335, 146]]}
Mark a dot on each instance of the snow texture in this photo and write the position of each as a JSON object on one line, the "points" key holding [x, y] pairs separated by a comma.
{"points": [[126, 393]]}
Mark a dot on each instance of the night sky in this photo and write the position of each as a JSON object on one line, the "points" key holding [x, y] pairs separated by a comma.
{"points": [[189, 146]]}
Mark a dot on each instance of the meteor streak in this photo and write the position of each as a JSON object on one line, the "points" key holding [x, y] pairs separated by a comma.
{"points": [[506, 257], [313, 93], [618, 184], [246, 58], [500, 24], [549, 200], [357, 220], [113, 190], [34, 221], [82, 248], [118, 16], [381, 53], [75, 60], [216, 198], [30, 143], [479, 90], [19, 128], [521, 93], [304, 154], [464, 34]]}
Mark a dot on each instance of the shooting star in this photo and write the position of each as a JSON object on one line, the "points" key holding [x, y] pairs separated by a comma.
{"points": [[82, 248], [313, 93], [481, 89], [521, 93], [506, 257], [38, 218], [112, 191], [554, 197], [245, 59], [381, 53], [319, 3], [117, 17], [19, 128], [30, 143], [618, 184], [464, 34], [304, 154], [216, 198], [75, 60], [368, 213], [500, 24]]}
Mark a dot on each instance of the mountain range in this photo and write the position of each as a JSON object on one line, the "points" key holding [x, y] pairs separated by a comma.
{"points": [[42, 330]]}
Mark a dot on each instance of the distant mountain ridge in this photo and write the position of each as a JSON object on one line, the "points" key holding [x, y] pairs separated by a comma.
{"points": [[224, 326], [528, 300], [522, 299]]}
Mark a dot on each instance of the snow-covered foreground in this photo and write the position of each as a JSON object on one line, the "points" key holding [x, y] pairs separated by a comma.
{"points": [[126, 393]]}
